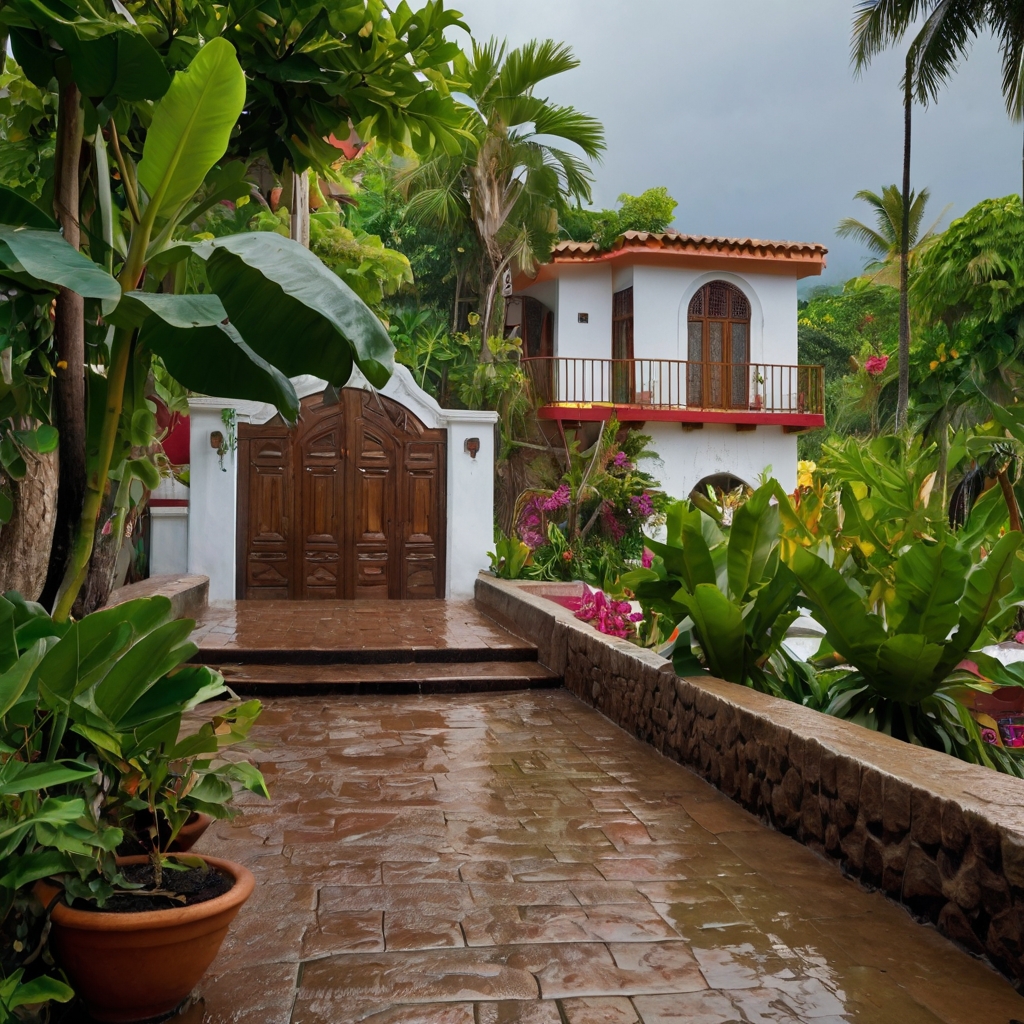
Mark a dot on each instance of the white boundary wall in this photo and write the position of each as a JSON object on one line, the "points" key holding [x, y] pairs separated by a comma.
{"points": [[213, 509]]}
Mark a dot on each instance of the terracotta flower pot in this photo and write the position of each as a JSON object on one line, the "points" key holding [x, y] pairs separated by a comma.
{"points": [[136, 967], [190, 832]]}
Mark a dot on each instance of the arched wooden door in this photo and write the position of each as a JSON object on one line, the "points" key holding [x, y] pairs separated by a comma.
{"points": [[349, 504]]}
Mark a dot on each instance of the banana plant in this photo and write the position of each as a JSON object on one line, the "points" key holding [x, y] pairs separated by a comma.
{"points": [[274, 310], [900, 663], [725, 587]]}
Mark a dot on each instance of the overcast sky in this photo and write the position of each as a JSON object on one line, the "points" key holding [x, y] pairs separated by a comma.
{"points": [[749, 113]]}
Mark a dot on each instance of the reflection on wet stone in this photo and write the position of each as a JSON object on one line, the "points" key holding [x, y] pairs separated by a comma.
{"points": [[517, 859]]}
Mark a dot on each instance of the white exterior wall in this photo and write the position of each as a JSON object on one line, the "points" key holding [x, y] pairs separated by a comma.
{"points": [[585, 289], [661, 299], [168, 529], [689, 456], [470, 497]]}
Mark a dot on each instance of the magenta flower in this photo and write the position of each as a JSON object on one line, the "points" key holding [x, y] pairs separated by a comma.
{"points": [[876, 365], [557, 500], [621, 461], [610, 522], [642, 505], [647, 558], [614, 618], [1019, 637]]}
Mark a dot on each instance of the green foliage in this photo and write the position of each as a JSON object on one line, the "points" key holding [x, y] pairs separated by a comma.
{"points": [[91, 729], [28, 117], [509, 557], [652, 210], [900, 662], [507, 181], [725, 588], [975, 267], [590, 525]]}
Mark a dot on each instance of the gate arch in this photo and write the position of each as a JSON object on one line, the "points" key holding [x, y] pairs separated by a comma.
{"points": [[348, 504]]}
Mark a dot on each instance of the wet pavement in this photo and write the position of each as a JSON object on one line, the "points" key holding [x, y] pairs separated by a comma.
{"points": [[354, 631], [491, 859]]}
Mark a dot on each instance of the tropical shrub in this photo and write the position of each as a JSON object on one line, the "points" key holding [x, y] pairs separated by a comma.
{"points": [[94, 751], [725, 589], [590, 526], [900, 656]]}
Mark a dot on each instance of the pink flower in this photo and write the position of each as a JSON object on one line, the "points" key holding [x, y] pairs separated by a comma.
{"points": [[557, 500], [1019, 637], [647, 558], [621, 461], [642, 505], [876, 365]]}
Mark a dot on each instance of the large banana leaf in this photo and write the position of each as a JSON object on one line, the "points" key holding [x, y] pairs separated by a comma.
{"points": [[906, 668], [191, 126], [929, 584], [17, 211], [720, 629], [202, 350], [294, 311], [987, 584], [849, 628], [48, 258], [753, 537]]}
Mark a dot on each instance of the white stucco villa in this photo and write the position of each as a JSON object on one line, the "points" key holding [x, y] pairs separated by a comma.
{"points": [[387, 495], [695, 338]]}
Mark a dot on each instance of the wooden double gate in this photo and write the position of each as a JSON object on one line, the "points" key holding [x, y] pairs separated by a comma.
{"points": [[348, 504]]}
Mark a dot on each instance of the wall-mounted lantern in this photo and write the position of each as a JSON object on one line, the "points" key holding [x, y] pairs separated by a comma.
{"points": [[216, 440], [472, 446]]}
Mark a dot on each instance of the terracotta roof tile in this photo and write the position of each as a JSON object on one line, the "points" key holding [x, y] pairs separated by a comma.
{"points": [[633, 240]]}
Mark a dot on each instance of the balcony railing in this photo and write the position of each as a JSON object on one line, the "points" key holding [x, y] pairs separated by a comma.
{"points": [[666, 384]]}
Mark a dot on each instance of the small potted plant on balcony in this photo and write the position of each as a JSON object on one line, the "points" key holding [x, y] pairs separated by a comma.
{"points": [[124, 727], [756, 399]]}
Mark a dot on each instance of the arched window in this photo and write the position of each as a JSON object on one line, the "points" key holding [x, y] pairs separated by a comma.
{"points": [[718, 348]]}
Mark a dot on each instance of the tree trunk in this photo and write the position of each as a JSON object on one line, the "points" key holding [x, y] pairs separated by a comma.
{"points": [[299, 208], [25, 540], [100, 581], [903, 394], [69, 333]]}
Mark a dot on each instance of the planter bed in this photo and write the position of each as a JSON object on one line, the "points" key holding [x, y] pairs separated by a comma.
{"points": [[943, 837]]}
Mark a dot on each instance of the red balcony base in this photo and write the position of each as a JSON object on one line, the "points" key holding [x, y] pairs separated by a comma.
{"points": [[588, 413]]}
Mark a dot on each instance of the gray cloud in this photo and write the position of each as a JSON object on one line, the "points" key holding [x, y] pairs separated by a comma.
{"points": [[750, 114]]}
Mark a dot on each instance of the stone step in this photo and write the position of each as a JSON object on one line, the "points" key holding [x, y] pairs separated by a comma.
{"points": [[281, 680], [513, 653]]}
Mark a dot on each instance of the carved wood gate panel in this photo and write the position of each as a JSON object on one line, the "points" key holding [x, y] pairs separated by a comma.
{"points": [[349, 504]]}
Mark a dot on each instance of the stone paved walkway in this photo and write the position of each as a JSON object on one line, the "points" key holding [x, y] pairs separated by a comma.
{"points": [[494, 859]]}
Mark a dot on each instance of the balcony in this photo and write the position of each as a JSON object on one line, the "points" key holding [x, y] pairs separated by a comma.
{"points": [[639, 390]]}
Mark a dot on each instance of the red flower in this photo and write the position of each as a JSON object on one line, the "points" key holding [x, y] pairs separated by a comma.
{"points": [[876, 365]]}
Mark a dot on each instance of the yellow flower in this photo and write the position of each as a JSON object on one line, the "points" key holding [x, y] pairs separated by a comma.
{"points": [[805, 473], [953, 352], [933, 365]]}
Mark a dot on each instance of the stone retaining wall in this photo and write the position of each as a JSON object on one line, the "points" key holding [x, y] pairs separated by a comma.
{"points": [[189, 595], [943, 837]]}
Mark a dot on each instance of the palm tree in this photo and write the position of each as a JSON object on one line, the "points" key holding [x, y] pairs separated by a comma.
{"points": [[507, 181], [886, 239], [949, 28]]}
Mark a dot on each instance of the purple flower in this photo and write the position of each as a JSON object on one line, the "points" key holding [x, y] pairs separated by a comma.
{"points": [[621, 461], [642, 505], [558, 500], [530, 526], [647, 558]]}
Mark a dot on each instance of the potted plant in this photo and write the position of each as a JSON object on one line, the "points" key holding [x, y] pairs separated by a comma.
{"points": [[93, 718], [757, 401]]}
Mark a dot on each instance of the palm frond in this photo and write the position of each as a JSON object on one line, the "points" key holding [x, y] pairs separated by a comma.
{"points": [[943, 42], [1006, 18], [879, 24], [532, 63], [850, 227], [570, 124]]}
